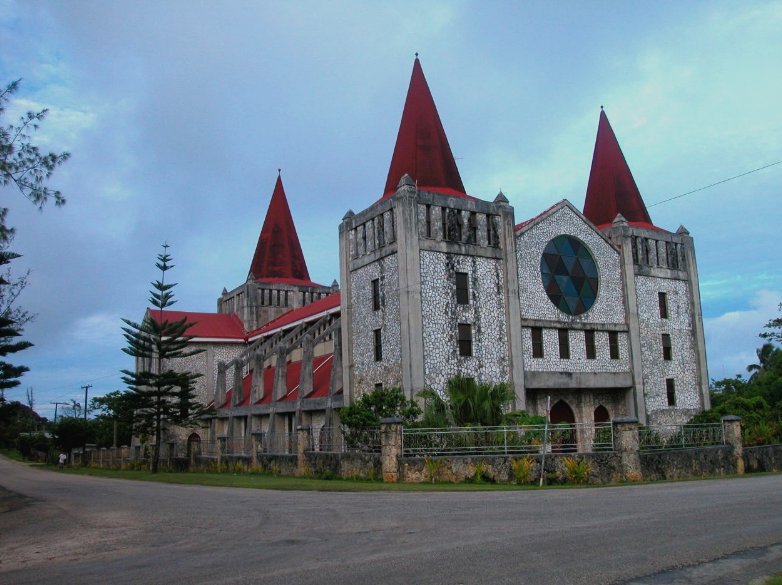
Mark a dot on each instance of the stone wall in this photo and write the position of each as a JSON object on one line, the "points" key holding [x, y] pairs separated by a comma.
{"points": [[682, 368], [688, 463], [485, 312], [387, 371], [765, 458]]}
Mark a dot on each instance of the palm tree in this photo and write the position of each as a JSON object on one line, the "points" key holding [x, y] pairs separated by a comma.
{"points": [[765, 354]]}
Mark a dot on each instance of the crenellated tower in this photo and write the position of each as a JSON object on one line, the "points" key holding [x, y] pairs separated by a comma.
{"points": [[428, 272], [278, 279], [662, 297]]}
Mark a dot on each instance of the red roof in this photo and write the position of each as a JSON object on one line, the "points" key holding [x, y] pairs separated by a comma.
{"points": [[278, 253], [422, 149], [209, 325], [301, 314], [612, 189], [287, 281], [321, 377]]}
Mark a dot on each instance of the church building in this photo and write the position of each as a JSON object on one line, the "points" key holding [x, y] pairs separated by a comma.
{"points": [[597, 310]]}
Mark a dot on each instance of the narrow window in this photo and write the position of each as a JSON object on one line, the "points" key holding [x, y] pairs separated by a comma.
{"points": [[465, 339], [381, 231], [376, 294], [444, 222], [564, 344], [613, 345], [303, 298], [472, 236], [589, 340], [378, 345], [667, 353], [462, 288], [428, 221], [670, 390], [537, 342], [662, 300], [286, 298], [379, 386]]}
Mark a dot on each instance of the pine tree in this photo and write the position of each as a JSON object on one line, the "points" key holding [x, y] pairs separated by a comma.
{"points": [[161, 395], [9, 331]]}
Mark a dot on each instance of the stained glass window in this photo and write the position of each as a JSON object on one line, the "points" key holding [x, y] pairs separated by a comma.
{"points": [[569, 274]]}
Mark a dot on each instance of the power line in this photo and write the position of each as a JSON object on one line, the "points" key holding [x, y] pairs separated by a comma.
{"points": [[715, 184]]}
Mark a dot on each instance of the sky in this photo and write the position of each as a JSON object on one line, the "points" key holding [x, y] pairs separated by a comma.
{"points": [[178, 114]]}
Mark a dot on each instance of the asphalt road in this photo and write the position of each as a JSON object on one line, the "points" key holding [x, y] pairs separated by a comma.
{"points": [[66, 529]]}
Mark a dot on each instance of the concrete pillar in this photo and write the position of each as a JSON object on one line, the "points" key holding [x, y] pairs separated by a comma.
{"points": [[257, 386], [220, 386], [303, 442], [238, 385], [731, 429], [280, 373], [390, 448], [627, 444]]}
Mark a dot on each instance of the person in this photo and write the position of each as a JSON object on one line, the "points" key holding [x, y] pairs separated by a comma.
{"points": [[63, 459]]}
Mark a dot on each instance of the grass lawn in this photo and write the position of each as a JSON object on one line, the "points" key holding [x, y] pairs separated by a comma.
{"points": [[272, 482]]}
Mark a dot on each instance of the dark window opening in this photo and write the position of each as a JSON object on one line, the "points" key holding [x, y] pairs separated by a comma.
{"points": [[376, 294], [537, 342], [428, 221], [379, 386], [465, 339], [564, 344], [444, 222], [667, 350], [662, 301], [589, 340], [378, 343], [472, 234], [381, 231], [462, 288], [670, 390], [613, 345]]}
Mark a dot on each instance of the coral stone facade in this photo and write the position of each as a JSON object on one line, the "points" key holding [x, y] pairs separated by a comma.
{"points": [[597, 313]]}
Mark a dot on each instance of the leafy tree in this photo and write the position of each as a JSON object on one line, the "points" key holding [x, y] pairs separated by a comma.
{"points": [[159, 394], [16, 418], [72, 432], [25, 167], [22, 164], [367, 411], [774, 327], [114, 408]]}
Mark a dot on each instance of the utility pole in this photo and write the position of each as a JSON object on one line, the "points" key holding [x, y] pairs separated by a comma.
{"points": [[56, 404], [86, 388]]}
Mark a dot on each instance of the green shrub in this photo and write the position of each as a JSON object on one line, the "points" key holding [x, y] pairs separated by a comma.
{"points": [[522, 469], [576, 470], [433, 467]]}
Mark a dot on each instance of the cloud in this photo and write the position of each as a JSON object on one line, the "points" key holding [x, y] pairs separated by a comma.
{"points": [[98, 329], [731, 338]]}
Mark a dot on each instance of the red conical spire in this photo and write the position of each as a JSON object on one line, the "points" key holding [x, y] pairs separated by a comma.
{"points": [[422, 149], [612, 189], [278, 253]]}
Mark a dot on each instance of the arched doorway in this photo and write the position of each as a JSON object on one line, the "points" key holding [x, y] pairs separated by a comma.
{"points": [[193, 446], [601, 414], [563, 432]]}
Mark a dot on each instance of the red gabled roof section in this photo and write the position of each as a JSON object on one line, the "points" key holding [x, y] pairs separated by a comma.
{"points": [[205, 325], [324, 305], [611, 188], [321, 377], [278, 253], [422, 150]]}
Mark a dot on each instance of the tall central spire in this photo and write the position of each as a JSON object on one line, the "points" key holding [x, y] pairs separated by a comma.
{"points": [[611, 189], [422, 149], [278, 253]]}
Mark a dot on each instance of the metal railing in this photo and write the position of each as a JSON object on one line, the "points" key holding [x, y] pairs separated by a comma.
{"points": [[661, 437], [510, 440]]}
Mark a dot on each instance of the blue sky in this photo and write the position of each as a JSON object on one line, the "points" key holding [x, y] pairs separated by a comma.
{"points": [[177, 115]]}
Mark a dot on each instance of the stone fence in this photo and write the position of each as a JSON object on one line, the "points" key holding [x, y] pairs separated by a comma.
{"points": [[626, 462]]}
